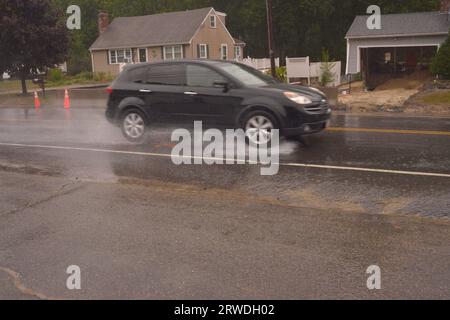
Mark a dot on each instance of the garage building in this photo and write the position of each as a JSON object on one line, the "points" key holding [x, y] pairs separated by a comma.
{"points": [[404, 44]]}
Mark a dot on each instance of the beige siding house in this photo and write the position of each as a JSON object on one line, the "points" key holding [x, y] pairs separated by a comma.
{"points": [[193, 34]]}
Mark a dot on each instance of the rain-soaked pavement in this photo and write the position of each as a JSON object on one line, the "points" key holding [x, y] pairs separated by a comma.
{"points": [[371, 190]]}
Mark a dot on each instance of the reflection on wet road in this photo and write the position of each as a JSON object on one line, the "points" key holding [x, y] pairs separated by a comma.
{"points": [[350, 166]]}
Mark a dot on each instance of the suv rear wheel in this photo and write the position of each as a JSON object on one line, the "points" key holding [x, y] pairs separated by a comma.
{"points": [[134, 125]]}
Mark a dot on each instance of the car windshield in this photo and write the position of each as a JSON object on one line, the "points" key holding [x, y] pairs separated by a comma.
{"points": [[246, 75]]}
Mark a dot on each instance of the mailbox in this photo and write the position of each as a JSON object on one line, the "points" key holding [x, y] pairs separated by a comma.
{"points": [[40, 80]]}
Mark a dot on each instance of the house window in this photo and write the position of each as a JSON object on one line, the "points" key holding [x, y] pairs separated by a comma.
{"points": [[143, 55], [203, 51], [173, 52], [120, 56], [237, 53], [213, 21], [387, 57], [224, 52]]}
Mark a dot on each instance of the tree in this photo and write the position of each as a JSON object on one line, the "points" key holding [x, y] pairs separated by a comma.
{"points": [[441, 62], [326, 69], [33, 37]]}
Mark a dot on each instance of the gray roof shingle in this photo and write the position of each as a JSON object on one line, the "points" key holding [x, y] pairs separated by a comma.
{"points": [[403, 24], [153, 30]]}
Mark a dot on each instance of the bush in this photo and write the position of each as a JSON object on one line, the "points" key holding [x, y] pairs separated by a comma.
{"points": [[281, 73], [326, 69], [441, 62], [55, 75], [103, 77], [85, 75]]}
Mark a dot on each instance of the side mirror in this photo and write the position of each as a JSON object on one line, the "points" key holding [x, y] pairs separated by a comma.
{"points": [[222, 84]]}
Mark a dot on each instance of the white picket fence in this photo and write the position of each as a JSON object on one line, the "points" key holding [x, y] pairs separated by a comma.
{"points": [[259, 64]]}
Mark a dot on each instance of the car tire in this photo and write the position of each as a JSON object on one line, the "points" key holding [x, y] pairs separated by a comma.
{"points": [[258, 125], [134, 125]]}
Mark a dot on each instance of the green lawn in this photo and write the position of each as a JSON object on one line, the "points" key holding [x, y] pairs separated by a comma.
{"points": [[15, 85], [437, 98]]}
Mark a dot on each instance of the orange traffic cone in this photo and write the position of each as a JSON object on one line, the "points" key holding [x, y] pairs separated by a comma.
{"points": [[37, 103], [66, 100]]}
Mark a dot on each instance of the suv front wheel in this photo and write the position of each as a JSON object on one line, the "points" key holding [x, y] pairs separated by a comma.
{"points": [[134, 125], [258, 126]]}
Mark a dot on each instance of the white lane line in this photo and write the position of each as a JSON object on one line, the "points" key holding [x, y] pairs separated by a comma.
{"points": [[411, 173], [162, 155]]}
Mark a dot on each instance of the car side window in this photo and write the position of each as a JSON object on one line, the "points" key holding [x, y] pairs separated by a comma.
{"points": [[200, 76], [169, 75], [138, 75]]}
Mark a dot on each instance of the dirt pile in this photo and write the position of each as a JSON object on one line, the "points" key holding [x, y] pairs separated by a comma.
{"points": [[388, 97]]}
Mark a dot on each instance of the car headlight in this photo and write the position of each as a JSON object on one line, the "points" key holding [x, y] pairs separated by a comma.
{"points": [[297, 98]]}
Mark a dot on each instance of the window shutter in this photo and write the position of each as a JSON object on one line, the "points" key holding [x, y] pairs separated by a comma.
{"points": [[198, 51], [162, 54], [108, 56], [207, 51]]}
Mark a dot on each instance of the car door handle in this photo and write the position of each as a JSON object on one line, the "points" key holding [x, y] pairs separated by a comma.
{"points": [[145, 90], [191, 93]]}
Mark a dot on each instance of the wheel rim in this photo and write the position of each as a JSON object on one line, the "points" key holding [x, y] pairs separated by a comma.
{"points": [[134, 125], [259, 130]]}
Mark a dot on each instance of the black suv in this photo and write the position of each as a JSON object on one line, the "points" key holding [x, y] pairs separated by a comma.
{"points": [[219, 93]]}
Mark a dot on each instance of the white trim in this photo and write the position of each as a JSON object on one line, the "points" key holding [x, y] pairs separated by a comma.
{"points": [[228, 32], [173, 52], [204, 20], [240, 52], [204, 45], [139, 55], [399, 45], [358, 64], [93, 62], [221, 51], [109, 56], [200, 26], [124, 50], [397, 35], [215, 21], [348, 57]]}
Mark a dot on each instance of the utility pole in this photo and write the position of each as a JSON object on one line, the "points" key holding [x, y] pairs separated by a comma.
{"points": [[270, 35]]}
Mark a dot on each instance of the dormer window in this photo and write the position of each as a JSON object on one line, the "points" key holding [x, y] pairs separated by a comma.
{"points": [[213, 21]]}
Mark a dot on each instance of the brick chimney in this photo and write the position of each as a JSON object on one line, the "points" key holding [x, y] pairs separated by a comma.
{"points": [[445, 6], [103, 21]]}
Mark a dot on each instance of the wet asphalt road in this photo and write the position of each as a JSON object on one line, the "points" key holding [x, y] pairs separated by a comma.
{"points": [[141, 227]]}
